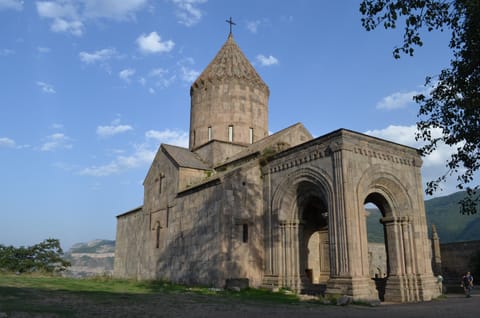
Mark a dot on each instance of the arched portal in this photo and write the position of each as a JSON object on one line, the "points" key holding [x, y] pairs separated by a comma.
{"points": [[401, 281], [314, 248], [299, 250]]}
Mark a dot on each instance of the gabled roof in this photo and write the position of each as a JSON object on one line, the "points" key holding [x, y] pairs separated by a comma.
{"points": [[184, 157], [229, 63]]}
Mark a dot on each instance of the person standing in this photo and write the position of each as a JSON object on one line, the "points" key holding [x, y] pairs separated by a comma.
{"points": [[467, 283]]}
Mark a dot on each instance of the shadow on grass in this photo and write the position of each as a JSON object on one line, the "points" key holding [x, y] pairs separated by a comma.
{"points": [[61, 297]]}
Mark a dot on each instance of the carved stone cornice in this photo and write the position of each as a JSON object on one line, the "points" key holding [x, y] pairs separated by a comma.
{"points": [[299, 159], [398, 159]]}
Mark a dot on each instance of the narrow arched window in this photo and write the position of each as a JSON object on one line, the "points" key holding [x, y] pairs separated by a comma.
{"points": [[160, 182], [245, 233], [209, 133], [251, 135], [157, 236], [230, 133]]}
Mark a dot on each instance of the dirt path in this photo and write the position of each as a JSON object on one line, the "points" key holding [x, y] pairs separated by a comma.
{"points": [[67, 304]]}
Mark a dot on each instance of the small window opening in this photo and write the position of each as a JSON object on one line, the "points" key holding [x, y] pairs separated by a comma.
{"points": [[251, 135], [157, 243], [245, 233], [160, 182], [230, 133], [209, 133]]}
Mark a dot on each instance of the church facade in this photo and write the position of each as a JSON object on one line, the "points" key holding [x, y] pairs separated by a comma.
{"points": [[284, 210]]}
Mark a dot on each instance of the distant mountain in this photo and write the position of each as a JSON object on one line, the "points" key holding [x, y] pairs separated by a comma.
{"points": [[95, 246], [444, 212], [91, 258], [452, 226]]}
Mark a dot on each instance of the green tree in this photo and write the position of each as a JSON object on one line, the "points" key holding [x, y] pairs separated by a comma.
{"points": [[453, 104], [45, 256]]}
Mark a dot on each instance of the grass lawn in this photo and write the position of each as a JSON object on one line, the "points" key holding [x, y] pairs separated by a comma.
{"points": [[52, 296]]}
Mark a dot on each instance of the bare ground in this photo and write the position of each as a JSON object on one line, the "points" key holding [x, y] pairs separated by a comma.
{"points": [[71, 304]]}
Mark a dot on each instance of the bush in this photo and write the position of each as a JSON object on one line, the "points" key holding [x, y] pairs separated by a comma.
{"points": [[45, 256]]}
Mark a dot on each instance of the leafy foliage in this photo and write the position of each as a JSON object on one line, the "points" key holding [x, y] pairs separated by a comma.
{"points": [[450, 113], [45, 256]]}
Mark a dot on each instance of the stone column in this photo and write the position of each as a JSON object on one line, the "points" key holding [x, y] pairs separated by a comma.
{"points": [[343, 279], [337, 221], [437, 258], [395, 286]]}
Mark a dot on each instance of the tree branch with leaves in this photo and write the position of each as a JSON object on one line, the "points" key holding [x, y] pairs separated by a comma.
{"points": [[452, 106]]}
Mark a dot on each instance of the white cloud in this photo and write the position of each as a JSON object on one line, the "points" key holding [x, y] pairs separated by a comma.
{"points": [[161, 79], [56, 141], [433, 164], [152, 43], [57, 126], [63, 14], [396, 100], [113, 9], [151, 90], [404, 135], [188, 75], [172, 137], [6, 52], [114, 129], [253, 25], [267, 61], [188, 12], [71, 16], [142, 154], [11, 5], [61, 25], [97, 56], [41, 49], [158, 72], [105, 131], [46, 88], [126, 74], [7, 142]]}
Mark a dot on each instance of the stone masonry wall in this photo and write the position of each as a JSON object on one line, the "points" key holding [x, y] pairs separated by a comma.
{"points": [[456, 259], [127, 256]]}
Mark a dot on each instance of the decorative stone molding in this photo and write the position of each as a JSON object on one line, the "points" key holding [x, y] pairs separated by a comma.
{"points": [[384, 156], [299, 160]]}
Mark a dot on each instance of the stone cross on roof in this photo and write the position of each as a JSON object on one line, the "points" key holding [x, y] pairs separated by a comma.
{"points": [[231, 23]]}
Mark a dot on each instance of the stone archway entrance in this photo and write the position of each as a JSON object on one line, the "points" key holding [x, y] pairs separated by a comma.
{"points": [[313, 237], [404, 278], [314, 199], [299, 251]]}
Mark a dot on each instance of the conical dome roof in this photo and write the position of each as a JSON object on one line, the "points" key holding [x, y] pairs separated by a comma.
{"points": [[230, 63]]}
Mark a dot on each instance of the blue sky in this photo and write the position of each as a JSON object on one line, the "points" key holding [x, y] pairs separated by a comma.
{"points": [[90, 88]]}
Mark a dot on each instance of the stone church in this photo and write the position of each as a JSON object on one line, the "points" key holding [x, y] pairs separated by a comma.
{"points": [[284, 210]]}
